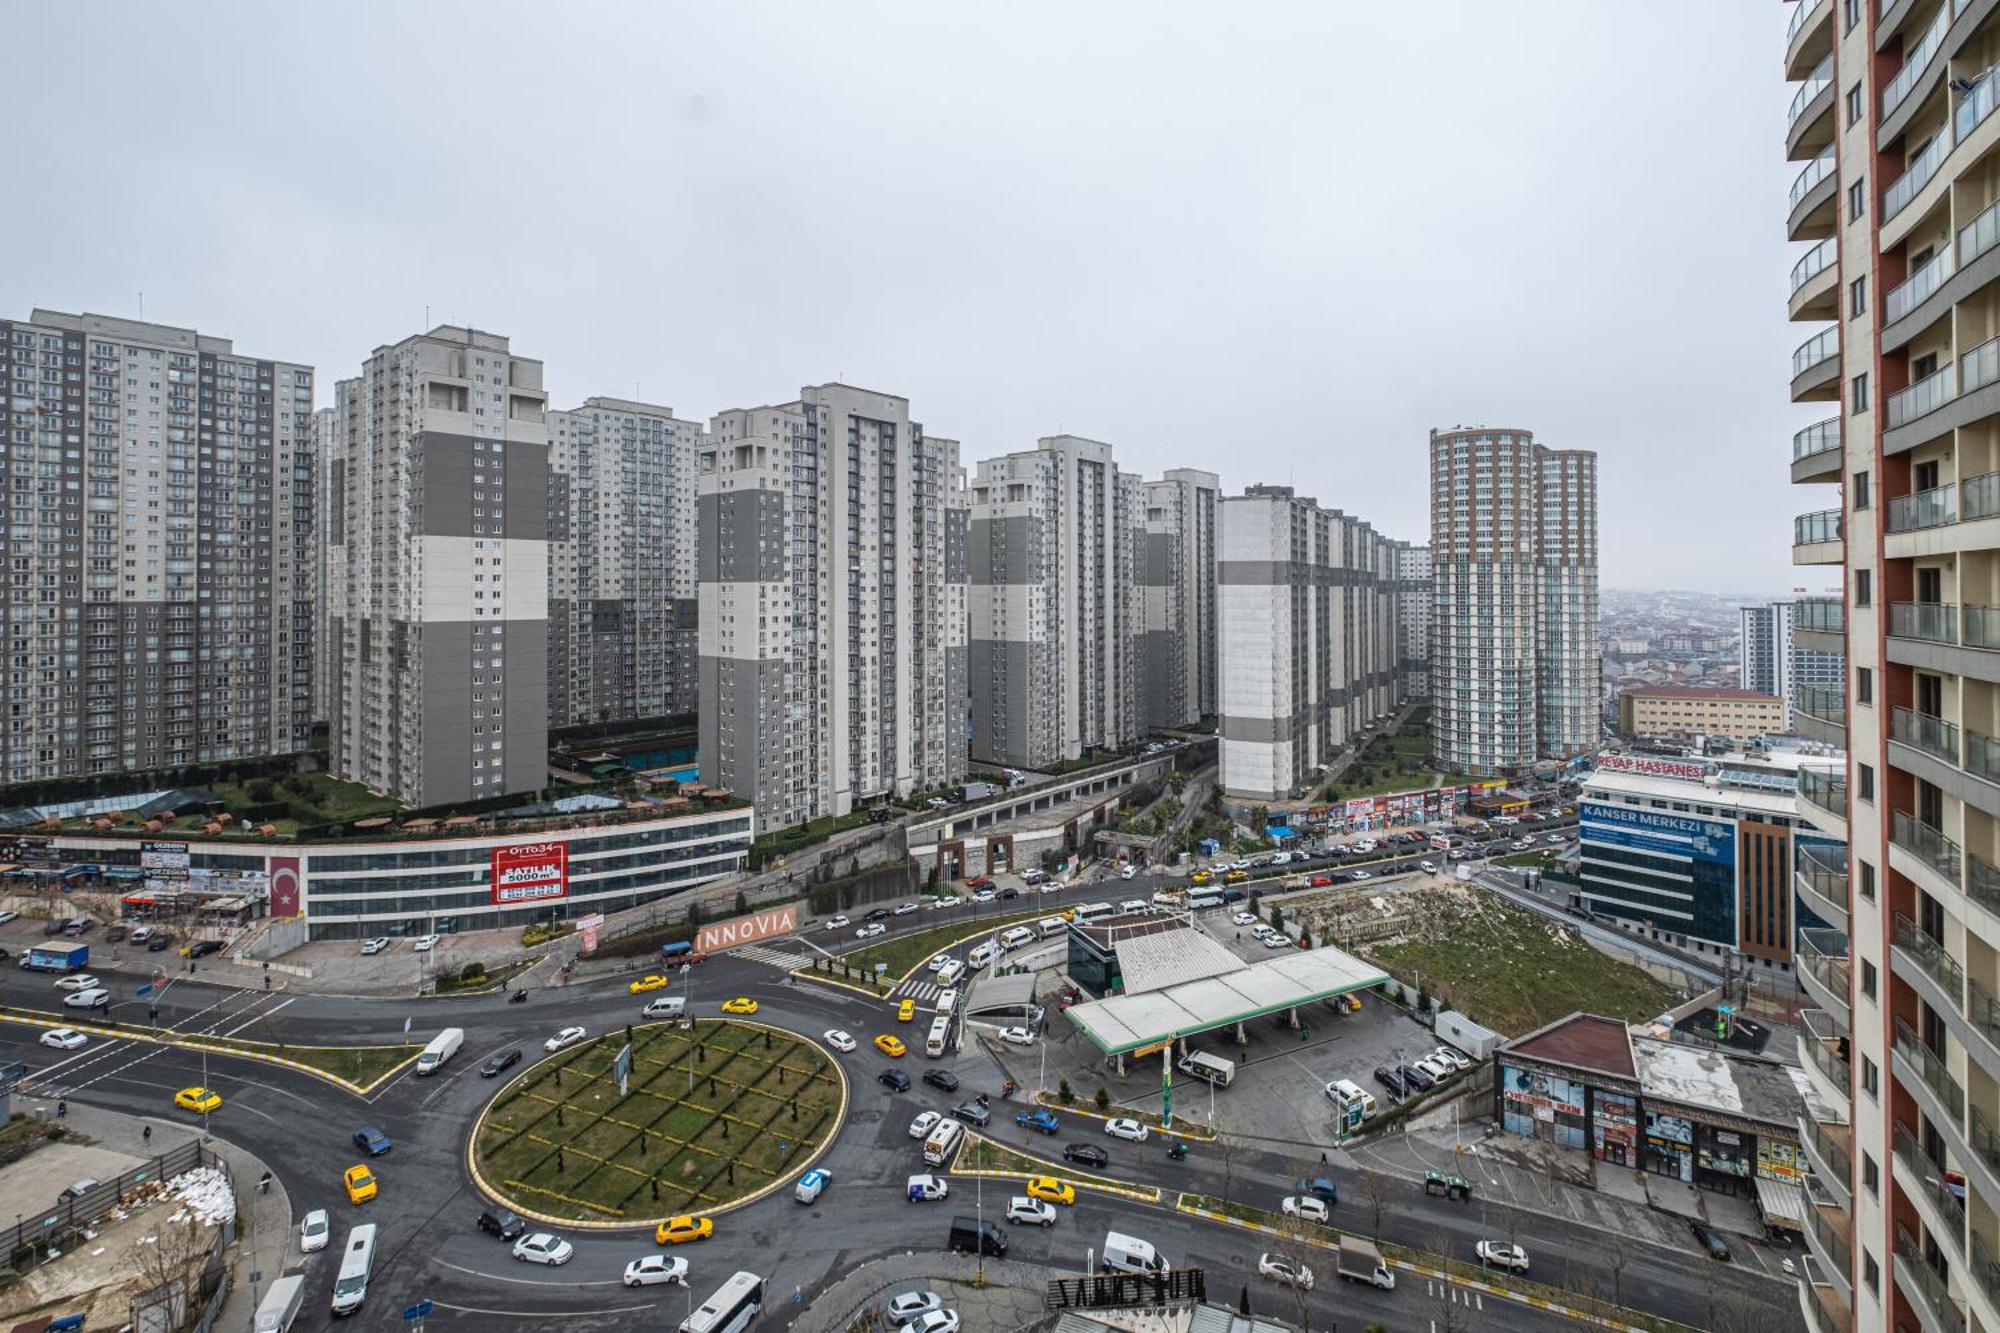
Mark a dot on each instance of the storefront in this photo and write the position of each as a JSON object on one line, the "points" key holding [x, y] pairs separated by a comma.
{"points": [[1614, 1128]]}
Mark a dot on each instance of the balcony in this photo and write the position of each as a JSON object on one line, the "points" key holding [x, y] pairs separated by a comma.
{"points": [[1922, 963], [1815, 291], [1929, 851], [1829, 1149], [1823, 1302], [1816, 538], [1822, 885], [1809, 120], [1816, 367], [1811, 213], [1928, 622], [1924, 1072], [1823, 800], [1829, 1230], [1824, 1049], [1916, 175], [1928, 1293], [1816, 454], [1820, 713], [1925, 509], [1822, 957], [1808, 37], [1907, 295], [1916, 62], [1923, 1179], [1924, 397], [1923, 731]]}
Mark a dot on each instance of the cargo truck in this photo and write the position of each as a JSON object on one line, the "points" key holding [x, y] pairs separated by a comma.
{"points": [[1361, 1261], [56, 958]]}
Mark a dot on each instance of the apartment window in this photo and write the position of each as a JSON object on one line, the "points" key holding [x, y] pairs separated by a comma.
{"points": [[1871, 1078], [1853, 106], [1864, 685], [1864, 781], [1871, 1274], [1867, 880], [1868, 981], [1860, 488], [1864, 587], [1871, 1174], [1857, 392], [1857, 296], [1857, 200]]}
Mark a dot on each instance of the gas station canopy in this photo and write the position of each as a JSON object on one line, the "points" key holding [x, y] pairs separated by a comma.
{"points": [[1127, 1023]]}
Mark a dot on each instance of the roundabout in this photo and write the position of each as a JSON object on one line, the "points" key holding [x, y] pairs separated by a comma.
{"points": [[715, 1115]]}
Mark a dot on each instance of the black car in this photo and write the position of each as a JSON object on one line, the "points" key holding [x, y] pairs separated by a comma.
{"points": [[1086, 1154], [203, 948], [1417, 1078], [501, 1223], [895, 1080], [159, 944], [941, 1078], [1010, 893], [113, 934], [1717, 1248], [877, 914], [1233, 895], [972, 1113], [499, 1063], [1390, 1079]]}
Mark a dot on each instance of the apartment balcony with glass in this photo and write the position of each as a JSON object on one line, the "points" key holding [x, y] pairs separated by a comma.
{"points": [[1808, 37], [1824, 1050], [1922, 1180], [1825, 1304], [1924, 1286], [1815, 290], [1828, 1141], [1812, 212], [1822, 956], [1819, 624], [1829, 1229], [1816, 452], [1925, 855], [1817, 539], [1820, 878], [1809, 119], [1819, 712], [1823, 800], [1816, 367], [1954, 517]]}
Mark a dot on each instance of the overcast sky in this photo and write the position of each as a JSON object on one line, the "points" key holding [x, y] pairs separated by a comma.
{"points": [[1279, 242]]}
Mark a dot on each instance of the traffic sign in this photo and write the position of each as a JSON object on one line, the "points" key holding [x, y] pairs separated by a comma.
{"points": [[417, 1311]]}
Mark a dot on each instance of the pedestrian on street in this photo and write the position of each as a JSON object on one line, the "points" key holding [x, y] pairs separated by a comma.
{"points": [[62, 1109], [1322, 1158], [146, 1136]]}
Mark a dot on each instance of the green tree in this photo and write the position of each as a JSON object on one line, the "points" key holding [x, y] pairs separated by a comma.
{"points": [[1064, 1094], [1277, 916], [1103, 1099]]}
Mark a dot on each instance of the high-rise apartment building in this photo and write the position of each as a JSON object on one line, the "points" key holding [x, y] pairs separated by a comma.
{"points": [[1173, 591], [1514, 650], [328, 465], [157, 538], [1896, 213], [1050, 561], [1308, 626], [831, 567], [438, 564], [1413, 595], [1773, 658], [623, 638]]}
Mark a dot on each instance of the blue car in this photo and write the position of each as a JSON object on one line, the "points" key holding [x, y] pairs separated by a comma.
{"points": [[372, 1141], [1039, 1120], [811, 1185]]}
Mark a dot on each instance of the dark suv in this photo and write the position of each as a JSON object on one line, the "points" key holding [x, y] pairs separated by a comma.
{"points": [[1390, 1079], [501, 1223], [895, 1080], [941, 1078]]}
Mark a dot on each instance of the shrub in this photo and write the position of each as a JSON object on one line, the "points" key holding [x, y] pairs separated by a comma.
{"points": [[1063, 1093], [473, 971], [1103, 1099]]}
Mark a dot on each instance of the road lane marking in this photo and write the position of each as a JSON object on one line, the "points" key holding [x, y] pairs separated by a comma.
{"points": [[529, 1282], [259, 1017]]}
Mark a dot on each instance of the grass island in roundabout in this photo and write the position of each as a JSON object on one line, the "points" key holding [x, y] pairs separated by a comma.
{"points": [[714, 1114]]}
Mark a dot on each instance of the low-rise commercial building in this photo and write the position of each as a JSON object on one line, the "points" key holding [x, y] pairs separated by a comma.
{"points": [[1683, 712]]}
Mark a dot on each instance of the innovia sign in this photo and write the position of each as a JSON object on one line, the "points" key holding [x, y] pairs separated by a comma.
{"points": [[747, 929], [530, 872]]}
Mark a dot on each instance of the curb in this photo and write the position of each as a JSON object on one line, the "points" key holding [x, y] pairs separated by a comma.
{"points": [[195, 1044], [1197, 1135], [807, 974], [1097, 1184], [574, 1224]]}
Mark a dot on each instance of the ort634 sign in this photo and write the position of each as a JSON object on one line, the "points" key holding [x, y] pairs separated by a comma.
{"points": [[530, 872]]}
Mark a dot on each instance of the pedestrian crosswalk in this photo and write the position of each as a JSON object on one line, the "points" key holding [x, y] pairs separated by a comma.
{"points": [[918, 989], [758, 953]]}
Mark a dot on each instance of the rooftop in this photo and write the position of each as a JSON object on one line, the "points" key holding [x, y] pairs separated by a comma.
{"points": [[1131, 1022], [1583, 1040], [1701, 1077], [1700, 692], [1159, 959]]}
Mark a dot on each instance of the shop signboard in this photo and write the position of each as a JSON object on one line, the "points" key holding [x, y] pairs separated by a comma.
{"points": [[530, 872]]}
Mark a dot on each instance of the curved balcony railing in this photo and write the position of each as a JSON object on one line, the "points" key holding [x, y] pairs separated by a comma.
{"points": [[1819, 438], [1909, 294], [1814, 172], [1931, 956], [1975, 106], [1826, 1045], [1828, 703], [1927, 844], [1979, 367], [1916, 176], [1982, 756], [1978, 236], [1914, 61], [1824, 615], [1928, 733], [1812, 529], [1816, 350], [1827, 878], [1829, 1148], [1824, 952], [1815, 83], [1932, 622], [1925, 509], [1931, 1069], [1982, 884], [1799, 12], [1925, 396], [1814, 262], [1834, 1244], [1825, 788]]}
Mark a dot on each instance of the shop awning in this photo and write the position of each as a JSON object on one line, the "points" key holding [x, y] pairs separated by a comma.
{"points": [[1782, 1203]]}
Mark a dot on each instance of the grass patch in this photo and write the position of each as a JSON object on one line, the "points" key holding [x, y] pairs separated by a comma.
{"points": [[903, 952], [1511, 969], [560, 1141], [356, 1064], [772, 846]]}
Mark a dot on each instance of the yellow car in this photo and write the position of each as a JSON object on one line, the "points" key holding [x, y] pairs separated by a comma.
{"points": [[646, 983], [906, 1011], [1236, 876], [1203, 877], [742, 1004], [1048, 1187], [676, 1230], [889, 1045], [360, 1182], [199, 1100]]}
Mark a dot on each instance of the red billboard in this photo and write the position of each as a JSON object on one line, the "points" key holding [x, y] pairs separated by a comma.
{"points": [[530, 872]]}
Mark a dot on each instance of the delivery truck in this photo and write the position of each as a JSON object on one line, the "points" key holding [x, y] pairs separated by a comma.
{"points": [[442, 1047], [1361, 1261], [56, 958]]}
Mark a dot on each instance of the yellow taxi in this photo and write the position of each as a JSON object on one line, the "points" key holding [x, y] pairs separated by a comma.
{"points": [[1048, 1187], [679, 1230], [200, 1100], [1204, 877], [889, 1045], [651, 981], [742, 1004], [360, 1182], [1236, 876], [906, 1011]]}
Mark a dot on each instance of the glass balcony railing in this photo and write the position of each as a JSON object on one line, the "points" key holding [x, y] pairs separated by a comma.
{"points": [[1816, 261], [1925, 509], [1823, 615], [1931, 1070], [1981, 1139], [1985, 1269], [1930, 955], [1827, 703], [1816, 350], [1826, 1045], [1821, 437], [1927, 395], [1975, 106], [1933, 622], [1982, 627], [1908, 295], [1915, 1270], [1832, 1239], [1829, 1149], [1925, 843], [1800, 11], [1812, 529], [1823, 952], [1978, 236], [1982, 884], [1982, 1011], [1982, 756], [1979, 497], [1815, 171], [1917, 175], [1933, 735], [1914, 61], [1930, 1180], [1979, 367], [1825, 788], [1824, 877], [1815, 84]]}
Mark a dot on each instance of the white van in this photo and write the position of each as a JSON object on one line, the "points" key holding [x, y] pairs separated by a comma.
{"points": [[1017, 937], [280, 1305], [1345, 1093], [1129, 1254], [947, 1000], [950, 972], [442, 1047], [940, 1032], [1051, 925], [665, 1006], [357, 1261], [979, 957], [943, 1139], [1210, 1068], [1128, 872]]}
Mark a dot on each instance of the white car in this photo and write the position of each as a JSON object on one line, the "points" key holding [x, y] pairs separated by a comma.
{"points": [[654, 1269], [425, 943], [1554, 838], [567, 1037], [1017, 1036], [937, 1321], [314, 1231], [139, 935], [925, 1187], [80, 981], [838, 923], [984, 896], [1285, 1270], [1245, 918], [1262, 931], [1363, 874], [1034, 1212], [374, 946], [1448, 1056], [921, 1127], [1428, 867], [1123, 1128], [840, 1041], [1499, 1254], [542, 1248], [904, 909], [64, 1039], [95, 998], [871, 930], [938, 962], [1304, 1207], [1275, 940], [913, 1305], [1053, 886]]}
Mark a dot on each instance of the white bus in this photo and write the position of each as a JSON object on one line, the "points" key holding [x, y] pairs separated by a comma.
{"points": [[732, 1307], [1210, 1068], [1017, 937], [947, 1000], [1051, 925], [357, 1261], [1092, 911], [944, 1137], [940, 1033]]}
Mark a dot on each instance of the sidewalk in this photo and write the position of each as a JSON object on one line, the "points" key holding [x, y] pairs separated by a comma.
{"points": [[264, 1223]]}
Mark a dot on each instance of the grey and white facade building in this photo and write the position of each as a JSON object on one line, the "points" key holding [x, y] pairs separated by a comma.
{"points": [[1173, 595], [438, 566], [831, 574], [1052, 647], [1308, 621], [1514, 648], [158, 542], [1413, 596], [623, 636], [1772, 659]]}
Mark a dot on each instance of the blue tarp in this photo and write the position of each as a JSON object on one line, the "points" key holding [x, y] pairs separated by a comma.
{"points": [[1279, 831]]}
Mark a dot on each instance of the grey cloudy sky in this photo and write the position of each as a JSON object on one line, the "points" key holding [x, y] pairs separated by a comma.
{"points": [[1280, 242]]}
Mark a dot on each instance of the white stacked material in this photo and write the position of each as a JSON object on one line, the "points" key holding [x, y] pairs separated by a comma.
{"points": [[207, 1193]]}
